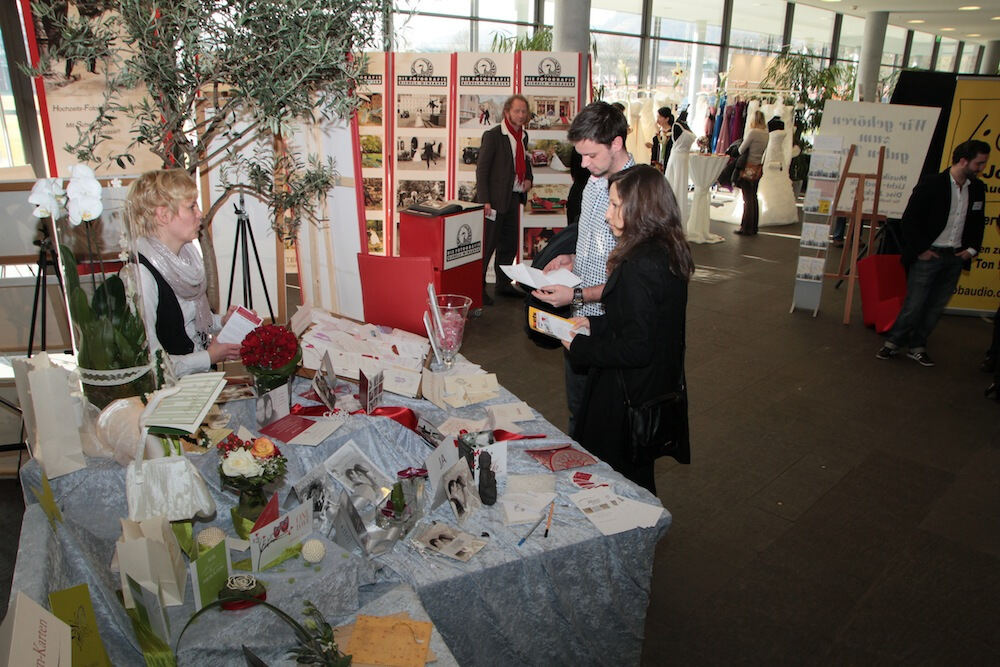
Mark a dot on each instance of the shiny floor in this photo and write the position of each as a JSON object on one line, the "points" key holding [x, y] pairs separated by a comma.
{"points": [[838, 510]]}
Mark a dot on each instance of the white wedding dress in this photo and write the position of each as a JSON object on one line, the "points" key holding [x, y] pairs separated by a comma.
{"points": [[677, 171], [775, 193]]}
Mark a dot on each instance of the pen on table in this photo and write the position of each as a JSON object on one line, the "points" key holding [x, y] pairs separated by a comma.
{"points": [[537, 524], [548, 524]]}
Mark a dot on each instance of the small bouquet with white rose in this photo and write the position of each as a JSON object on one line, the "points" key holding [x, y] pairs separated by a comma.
{"points": [[248, 466]]}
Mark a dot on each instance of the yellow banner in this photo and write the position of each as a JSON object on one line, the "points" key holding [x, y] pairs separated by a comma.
{"points": [[974, 116]]}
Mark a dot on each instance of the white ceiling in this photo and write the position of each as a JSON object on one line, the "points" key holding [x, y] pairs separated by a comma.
{"points": [[936, 14]]}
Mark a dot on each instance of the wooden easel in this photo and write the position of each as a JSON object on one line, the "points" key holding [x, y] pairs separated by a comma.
{"points": [[855, 222]]}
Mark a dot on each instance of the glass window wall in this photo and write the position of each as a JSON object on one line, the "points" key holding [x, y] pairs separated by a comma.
{"points": [[616, 16], [946, 55], [920, 50], [617, 61], [895, 43], [689, 21], [812, 30], [757, 26], [969, 55], [430, 34], [852, 34]]}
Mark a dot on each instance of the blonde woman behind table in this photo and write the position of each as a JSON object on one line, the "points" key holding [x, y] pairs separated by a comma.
{"points": [[748, 179], [163, 211]]}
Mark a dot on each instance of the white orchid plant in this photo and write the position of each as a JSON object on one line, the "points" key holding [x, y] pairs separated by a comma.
{"points": [[109, 331]]}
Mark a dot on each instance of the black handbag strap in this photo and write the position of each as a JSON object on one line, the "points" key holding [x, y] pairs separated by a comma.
{"points": [[656, 400]]}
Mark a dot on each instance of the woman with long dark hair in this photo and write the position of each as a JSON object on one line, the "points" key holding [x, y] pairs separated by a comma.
{"points": [[635, 351]]}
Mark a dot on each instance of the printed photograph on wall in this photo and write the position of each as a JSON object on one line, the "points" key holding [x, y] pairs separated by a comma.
{"points": [[548, 198], [480, 111], [424, 153], [418, 192], [549, 155], [534, 241], [468, 152], [371, 150], [466, 191], [427, 110], [373, 193], [370, 111], [376, 246], [549, 112]]}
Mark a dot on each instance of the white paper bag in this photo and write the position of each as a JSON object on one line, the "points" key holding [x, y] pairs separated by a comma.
{"points": [[49, 406], [148, 552], [31, 635]]}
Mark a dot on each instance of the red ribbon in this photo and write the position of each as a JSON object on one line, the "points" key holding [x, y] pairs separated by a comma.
{"points": [[404, 416], [501, 434], [310, 410]]}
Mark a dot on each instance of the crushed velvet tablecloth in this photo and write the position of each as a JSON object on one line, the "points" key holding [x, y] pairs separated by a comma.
{"points": [[576, 597]]}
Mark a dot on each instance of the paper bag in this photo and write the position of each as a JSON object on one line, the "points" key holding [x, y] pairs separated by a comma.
{"points": [[30, 635], [148, 552], [51, 414]]}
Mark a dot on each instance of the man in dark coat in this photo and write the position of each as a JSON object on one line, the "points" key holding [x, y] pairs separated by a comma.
{"points": [[503, 179], [942, 231]]}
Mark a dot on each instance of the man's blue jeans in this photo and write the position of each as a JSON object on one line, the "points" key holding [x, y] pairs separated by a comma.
{"points": [[929, 286]]}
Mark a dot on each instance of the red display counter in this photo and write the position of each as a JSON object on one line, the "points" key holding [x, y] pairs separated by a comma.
{"points": [[454, 244]]}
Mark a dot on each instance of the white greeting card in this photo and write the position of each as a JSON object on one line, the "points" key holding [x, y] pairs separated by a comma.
{"points": [[267, 543]]}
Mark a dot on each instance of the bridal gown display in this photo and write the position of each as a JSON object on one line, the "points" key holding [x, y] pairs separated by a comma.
{"points": [[775, 193], [677, 171]]}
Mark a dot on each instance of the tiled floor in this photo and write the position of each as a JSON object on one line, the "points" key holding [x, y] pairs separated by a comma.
{"points": [[838, 510]]}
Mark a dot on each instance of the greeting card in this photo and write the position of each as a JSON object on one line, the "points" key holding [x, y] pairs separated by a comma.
{"points": [[269, 543]]}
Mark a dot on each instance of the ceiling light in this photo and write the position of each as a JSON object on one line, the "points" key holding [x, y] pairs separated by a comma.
{"points": [[995, 18], [947, 30], [916, 21], [969, 8], [974, 34]]}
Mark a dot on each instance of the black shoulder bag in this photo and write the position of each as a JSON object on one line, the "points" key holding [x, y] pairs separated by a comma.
{"points": [[658, 427]]}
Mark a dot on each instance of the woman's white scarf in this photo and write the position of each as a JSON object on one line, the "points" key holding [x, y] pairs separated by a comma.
{"points": [[185, 273]]}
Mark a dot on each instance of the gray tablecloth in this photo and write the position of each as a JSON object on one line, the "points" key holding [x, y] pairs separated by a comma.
{"points": [[576, 597]]}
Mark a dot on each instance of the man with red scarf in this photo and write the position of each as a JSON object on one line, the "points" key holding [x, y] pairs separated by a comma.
{"points": [[503, 179]]}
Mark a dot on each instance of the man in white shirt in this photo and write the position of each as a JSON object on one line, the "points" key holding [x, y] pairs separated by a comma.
{"points": [[942, 231], [503, 180]]}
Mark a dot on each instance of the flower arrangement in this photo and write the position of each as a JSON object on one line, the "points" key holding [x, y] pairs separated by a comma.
{"points": [[271, 353], [678, 76], [248, 465], [110, 336]]}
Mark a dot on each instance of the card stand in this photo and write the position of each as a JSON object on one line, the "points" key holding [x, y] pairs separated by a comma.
{"points": [[810, 268]]}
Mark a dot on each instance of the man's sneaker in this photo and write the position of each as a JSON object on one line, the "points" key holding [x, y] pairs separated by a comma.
{"points": [[921, 358], [886, 352]]}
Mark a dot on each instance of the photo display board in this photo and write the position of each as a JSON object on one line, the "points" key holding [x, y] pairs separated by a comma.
{"points": [[421, 124]]}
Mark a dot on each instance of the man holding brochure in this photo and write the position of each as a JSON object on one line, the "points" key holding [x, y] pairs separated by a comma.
{"points": [[503, 179], [598, 134]]}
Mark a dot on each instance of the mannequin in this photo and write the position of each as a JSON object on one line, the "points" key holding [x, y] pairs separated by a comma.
{"points": [[677, 166], [777, 197]]}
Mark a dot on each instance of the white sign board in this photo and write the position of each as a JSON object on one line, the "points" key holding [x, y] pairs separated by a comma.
{"points": [[463, 238], [905, 131]]}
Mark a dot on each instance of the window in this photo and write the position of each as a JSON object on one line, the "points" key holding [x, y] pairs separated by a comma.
{"points": [[757, 26], [895, 43], [969, 56], [687, 68], [852, 33], [920, 50], [11, 146], [693, 22], [812, 30], [946, 55], [616, 16], [430, 34], [520, 11], [487, 29], [617, 61]]}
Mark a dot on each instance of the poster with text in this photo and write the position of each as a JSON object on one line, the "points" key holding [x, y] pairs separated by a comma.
{"points": [[905, 131], [974, 116]]}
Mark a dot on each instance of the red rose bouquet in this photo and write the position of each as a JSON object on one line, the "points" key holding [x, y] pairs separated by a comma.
{"points": [[271, 353]]}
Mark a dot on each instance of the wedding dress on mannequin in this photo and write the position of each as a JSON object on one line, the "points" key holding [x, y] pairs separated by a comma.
{"points": [[677, 169]]}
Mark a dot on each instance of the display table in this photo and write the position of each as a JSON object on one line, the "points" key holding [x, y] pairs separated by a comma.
{"points": [[576, 597], [704, 170]]}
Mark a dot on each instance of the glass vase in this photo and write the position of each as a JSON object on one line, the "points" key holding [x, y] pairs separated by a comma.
{"points": [[248, 510]]}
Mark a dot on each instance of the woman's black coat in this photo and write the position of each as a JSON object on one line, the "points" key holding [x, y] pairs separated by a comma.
{"points": [[641, 333]]}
